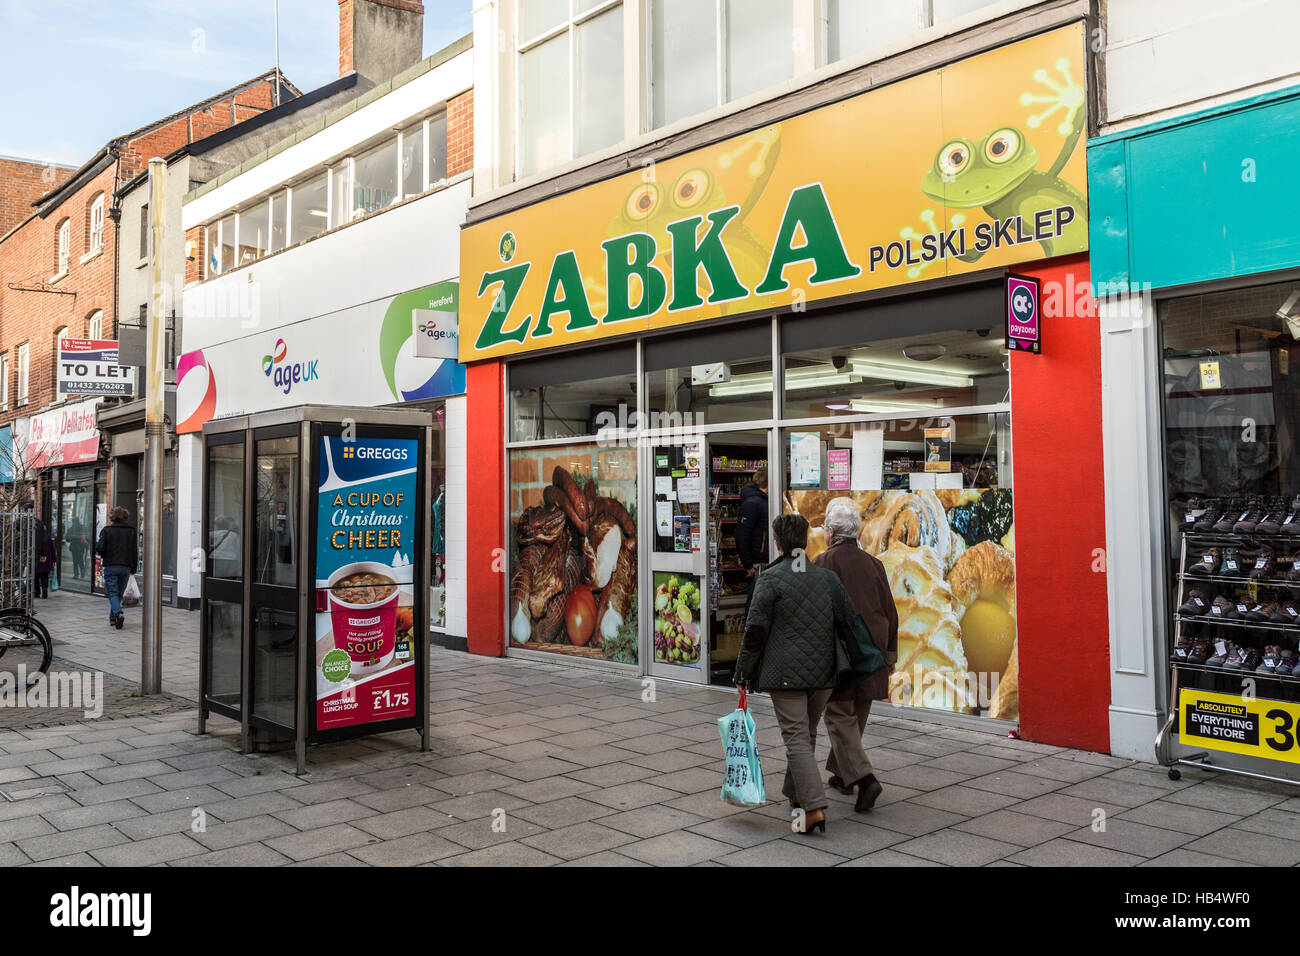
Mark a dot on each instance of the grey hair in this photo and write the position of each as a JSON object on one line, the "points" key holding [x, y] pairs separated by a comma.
{"points": [[843, 518]]}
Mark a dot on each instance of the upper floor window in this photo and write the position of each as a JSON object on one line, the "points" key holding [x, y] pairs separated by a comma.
{"points": [[24, 366], [59, 334], [853, 27], [95, 241], [704, 53], [569, 80], [144, 231], [4, 381], [381, 174], [95, 327], [64, 247]]}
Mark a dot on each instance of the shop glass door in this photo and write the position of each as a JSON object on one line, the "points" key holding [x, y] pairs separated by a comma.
{"points": [[737, 465], [274, 640], [223, 579], [679, 582], [77, 544]]}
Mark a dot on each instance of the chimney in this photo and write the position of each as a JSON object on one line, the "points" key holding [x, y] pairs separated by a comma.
{"points": [[379, 38]]}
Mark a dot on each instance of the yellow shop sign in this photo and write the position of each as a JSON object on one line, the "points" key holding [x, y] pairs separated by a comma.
{"points": [[974, 166], [1252, 726]]}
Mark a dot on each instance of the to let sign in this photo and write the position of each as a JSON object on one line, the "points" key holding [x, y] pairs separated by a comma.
{"points": [[1024, 316], [89, 367]]}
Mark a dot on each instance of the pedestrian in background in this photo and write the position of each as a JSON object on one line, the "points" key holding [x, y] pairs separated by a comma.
{"points": [[867, 584], [751, 531], [789, 651], [45, 558], [117, 546]]}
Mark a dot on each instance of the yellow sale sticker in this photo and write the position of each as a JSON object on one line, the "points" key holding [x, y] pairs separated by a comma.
{"points": [[1210, 375], [1255, 727]]}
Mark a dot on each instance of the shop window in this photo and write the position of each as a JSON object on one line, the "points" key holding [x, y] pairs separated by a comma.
{"points": [[413, 160], [227, 244], [1231, 419], [706, 54], [375, 180], [920, 358], [934, 494], [563, 397], [709, 378], [559, 601], [254, 231], [570, 80], [310, 210], [277, 236]]}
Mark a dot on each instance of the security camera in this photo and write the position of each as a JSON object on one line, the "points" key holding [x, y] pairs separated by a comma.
{"points": [[1290, 315], [900, 385], [839, 361], [982, 333]]}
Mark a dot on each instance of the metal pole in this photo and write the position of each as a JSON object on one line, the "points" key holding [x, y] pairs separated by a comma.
{"points": [[151, 636]]}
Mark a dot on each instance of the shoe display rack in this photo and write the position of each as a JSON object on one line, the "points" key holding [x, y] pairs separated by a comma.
{"points": [[1236, 618]]}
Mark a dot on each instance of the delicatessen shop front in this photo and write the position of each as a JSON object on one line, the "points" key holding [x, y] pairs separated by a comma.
{"points": [[656, 352]]}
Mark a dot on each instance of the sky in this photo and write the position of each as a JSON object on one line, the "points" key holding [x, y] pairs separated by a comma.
{"points": [[76, 73]]}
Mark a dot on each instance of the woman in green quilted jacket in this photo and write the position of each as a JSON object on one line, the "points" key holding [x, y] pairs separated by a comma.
{"points": [[789, 652]]}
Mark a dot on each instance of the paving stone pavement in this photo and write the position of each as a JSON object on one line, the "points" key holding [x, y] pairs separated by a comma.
{"points": [[539, 764]]}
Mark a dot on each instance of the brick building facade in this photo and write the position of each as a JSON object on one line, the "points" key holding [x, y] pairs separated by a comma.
{"points": [[22, 182]]}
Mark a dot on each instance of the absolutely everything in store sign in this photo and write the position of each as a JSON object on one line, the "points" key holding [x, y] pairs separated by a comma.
{"points": [[973, 166]]}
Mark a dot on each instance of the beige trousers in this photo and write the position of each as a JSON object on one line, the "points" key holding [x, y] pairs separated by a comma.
{"points": [[845, 722], [798, 712]]}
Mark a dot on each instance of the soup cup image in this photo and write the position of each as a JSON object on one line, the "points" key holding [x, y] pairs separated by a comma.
{"points": [[363, 612]]}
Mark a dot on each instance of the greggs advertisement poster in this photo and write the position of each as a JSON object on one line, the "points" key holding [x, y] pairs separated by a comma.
{"points": [[365, 550], [974, 166]]}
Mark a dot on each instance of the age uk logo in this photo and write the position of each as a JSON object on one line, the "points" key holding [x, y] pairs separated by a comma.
{"points": [[286, 375]]}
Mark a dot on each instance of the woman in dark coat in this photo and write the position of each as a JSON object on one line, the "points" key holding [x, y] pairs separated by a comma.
{"points": [[867, 584], [789, 651]]}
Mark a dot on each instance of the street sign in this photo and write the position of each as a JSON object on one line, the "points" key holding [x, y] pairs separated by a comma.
{"points": [[89, 367]]}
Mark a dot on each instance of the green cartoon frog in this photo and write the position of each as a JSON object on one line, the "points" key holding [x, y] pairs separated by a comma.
{"points": [[1000, 174]]}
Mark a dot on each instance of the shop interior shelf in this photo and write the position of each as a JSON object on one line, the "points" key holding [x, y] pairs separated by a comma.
{"points": [[1226, 672], [1252, 625], [1240, 581], [1234, 540]]}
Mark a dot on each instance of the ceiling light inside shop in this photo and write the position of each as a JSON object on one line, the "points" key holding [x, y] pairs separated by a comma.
{"points": [[910, 374], [758, 383], [881, 406]]}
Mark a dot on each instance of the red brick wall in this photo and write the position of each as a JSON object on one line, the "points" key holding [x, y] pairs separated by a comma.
{"points": [[460, 133], [196, 258], [21, 184], [29, 256]]}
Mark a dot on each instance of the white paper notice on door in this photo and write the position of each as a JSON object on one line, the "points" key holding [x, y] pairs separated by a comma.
{"points": [[868, 456], [663, 518], [688, 490]]}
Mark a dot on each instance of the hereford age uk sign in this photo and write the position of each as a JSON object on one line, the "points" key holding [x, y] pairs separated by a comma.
{"points": [[89, 367]]}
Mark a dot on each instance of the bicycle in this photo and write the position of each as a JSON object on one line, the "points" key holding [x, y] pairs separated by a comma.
{"points": [[25, 644]]}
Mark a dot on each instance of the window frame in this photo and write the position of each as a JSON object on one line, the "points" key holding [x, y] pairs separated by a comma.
{"points": [[95, 240], [95, 317], [63, 248], [24, 350], [569, 25], [4, 381]]}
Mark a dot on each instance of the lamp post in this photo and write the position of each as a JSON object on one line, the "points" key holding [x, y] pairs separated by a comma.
{"points": [[151, 635]]}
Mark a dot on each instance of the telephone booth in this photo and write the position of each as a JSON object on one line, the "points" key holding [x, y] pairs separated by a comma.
{"points": [[315, 611]]}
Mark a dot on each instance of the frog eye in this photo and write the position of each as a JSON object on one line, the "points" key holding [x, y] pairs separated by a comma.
{"points": [[954, 157], [1002, 146], [692, 186], [643, 201]]}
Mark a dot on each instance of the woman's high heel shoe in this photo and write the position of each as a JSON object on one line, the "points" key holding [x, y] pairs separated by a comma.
{"points": [[810, 825]]}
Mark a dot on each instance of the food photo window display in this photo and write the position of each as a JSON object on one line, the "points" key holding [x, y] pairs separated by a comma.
{"points": [[1231, 421], [936, 502], [573, 551]]}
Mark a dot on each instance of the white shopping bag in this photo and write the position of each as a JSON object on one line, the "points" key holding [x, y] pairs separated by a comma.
{"points": [[131, 594]]}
